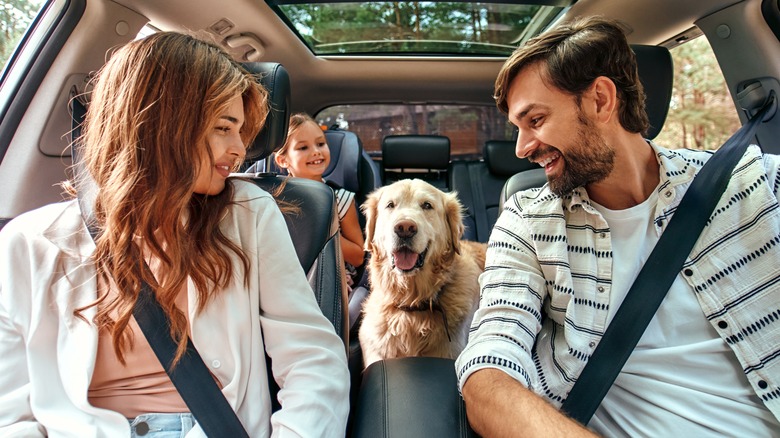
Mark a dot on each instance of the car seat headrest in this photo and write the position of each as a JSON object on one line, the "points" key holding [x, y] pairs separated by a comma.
{"points": [[345, 150], [273, 76], [415, 152], [501, 160], [656, 71]]}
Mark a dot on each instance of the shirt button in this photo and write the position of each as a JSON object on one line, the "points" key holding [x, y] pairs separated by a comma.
{"points": [[216, 363], [723, 324], [603, 235], [668, 194], [688, 272], [762, 384], [592, 344], [601, 289]]}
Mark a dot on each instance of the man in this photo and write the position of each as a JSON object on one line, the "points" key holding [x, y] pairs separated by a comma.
{"points": [[561, 259]]}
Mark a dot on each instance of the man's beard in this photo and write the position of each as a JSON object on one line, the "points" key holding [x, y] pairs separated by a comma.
{"points": [[588, 161]]}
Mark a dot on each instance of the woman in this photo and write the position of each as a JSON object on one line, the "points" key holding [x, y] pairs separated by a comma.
{"points": [[170, 117]]}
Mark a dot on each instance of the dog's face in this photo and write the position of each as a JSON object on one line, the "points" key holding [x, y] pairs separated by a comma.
{"points": [[409, 221]]}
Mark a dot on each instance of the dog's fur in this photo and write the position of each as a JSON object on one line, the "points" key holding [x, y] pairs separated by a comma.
{"points": [[421, 273]]}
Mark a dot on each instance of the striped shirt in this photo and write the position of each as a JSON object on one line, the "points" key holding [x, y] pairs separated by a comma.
{"points": [[343, 200], [544, 297]]}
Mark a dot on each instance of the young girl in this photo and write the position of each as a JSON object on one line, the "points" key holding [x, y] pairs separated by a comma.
{"points": [[305, 154], [170, 117]]}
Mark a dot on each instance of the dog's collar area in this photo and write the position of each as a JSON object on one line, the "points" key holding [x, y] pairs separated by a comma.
{"points": [[430, 306]]}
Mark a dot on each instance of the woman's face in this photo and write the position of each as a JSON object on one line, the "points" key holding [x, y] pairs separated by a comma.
{"points": [[228, 150]]}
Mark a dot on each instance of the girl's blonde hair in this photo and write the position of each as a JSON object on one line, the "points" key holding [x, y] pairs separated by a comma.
{"points": [[145, 131]]}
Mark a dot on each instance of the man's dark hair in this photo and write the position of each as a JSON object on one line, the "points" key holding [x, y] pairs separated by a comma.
{"points": [[577, 53]]}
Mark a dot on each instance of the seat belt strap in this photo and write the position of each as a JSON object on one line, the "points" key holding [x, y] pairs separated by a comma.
{"points": [[657, 275], [190, 376]]}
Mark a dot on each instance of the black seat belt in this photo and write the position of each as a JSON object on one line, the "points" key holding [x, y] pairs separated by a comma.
{"points": [[658, 274]]}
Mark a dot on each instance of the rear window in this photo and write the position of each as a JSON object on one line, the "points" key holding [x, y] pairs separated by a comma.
{"points": [[467, 126]]}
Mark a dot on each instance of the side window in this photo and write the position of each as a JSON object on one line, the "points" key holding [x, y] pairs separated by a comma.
{"points": [[701, 113], [15, 17]]}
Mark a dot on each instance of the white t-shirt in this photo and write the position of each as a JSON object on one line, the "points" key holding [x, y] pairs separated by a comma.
{"points": [[682, 380]]}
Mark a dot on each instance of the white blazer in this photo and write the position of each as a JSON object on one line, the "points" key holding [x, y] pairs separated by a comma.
{"points": [[47, 355]]}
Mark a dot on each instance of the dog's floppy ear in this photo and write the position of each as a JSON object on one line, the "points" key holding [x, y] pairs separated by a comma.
{"points": [[454, 211], [369, 211]]}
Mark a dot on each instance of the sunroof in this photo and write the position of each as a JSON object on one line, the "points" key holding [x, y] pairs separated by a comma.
{"points": [[417, 28]]}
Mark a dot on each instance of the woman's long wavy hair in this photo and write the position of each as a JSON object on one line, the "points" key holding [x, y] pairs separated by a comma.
{"points": [[152, 106]]}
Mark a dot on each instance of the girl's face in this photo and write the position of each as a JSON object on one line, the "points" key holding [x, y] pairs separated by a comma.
{"points": [[308, 154], [224, 139]]}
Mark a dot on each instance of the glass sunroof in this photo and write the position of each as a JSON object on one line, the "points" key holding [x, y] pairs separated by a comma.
{"points": [[415, 28]]}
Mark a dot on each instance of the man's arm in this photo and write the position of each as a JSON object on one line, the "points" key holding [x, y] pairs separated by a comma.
{"points": [[499, 406]]}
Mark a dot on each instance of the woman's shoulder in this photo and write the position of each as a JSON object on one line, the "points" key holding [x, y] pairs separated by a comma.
{"points": [[59, 223], [61, 215], [245, 190]]}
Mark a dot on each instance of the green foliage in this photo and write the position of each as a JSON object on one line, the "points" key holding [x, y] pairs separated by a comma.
{"points": [[701, 113], [15, 18], [409, 26]]}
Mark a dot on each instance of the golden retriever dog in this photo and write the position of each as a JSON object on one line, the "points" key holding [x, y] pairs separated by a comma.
{"points": [[424, 288]]}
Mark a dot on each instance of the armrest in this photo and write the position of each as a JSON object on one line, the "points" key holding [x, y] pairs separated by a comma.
{"points": [[411, 397]]}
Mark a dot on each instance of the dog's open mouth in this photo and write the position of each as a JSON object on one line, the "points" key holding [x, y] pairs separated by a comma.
{"points": [[407, 260]]}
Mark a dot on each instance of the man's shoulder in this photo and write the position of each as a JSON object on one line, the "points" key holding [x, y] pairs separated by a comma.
{"points": [[674, 159], [698, 158]]}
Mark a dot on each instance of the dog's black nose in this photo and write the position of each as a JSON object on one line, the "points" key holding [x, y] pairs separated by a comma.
{"points": [[405, 229]]}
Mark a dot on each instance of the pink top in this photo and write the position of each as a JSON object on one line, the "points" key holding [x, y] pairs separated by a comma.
{"points": [[141, 385]]}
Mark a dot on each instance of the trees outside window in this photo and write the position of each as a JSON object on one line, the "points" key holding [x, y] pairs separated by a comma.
{"points": [[15, 17], [701, 112]]}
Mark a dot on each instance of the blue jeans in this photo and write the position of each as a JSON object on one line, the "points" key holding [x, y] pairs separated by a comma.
{"points": [[161, 425]]}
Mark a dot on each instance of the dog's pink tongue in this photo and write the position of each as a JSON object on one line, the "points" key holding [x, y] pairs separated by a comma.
{"points": [[405, 259]]}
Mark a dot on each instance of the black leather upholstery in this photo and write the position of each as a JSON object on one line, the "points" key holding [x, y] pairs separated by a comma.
{"points": [[413, 397], [656, 71], [416, 156], [501, 159], [314, 230], [275, 79], [345, 149], [351, 167], [479, 183]]}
